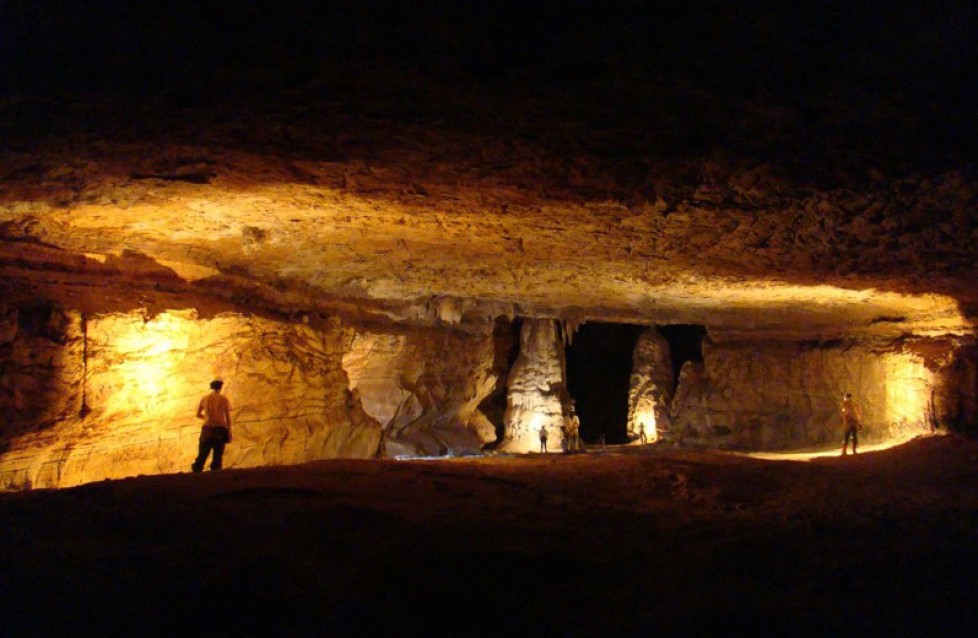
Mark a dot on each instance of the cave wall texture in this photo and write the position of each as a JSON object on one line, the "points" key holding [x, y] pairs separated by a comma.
{"points": [[424, 387], [786, 395], [652, 387], [92, 396], [88, 397], [334, 205], [537, 389]]}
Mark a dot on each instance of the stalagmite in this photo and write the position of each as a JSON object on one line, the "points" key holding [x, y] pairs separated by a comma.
{"points": [[537, 389]]}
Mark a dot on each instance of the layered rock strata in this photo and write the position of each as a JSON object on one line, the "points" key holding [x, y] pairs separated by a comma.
{"points": [[784, 395], [93, 396], [424, 387]]}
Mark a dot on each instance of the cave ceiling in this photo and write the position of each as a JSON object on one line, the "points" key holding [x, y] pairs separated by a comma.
{"points": [[610, 190]]}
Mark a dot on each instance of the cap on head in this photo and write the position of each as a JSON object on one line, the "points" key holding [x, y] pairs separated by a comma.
{"points": [[848, 395], [217, 384]]}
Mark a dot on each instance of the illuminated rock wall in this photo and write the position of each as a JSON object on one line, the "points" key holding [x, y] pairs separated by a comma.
{"points": [[537, 385], [652, 387], [140, 379], [424, 387], [782, 395]]}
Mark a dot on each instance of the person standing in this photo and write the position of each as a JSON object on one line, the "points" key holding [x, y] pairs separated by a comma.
{"points": [[543, 439], [573, 425], [215, 410], [851, 422]]}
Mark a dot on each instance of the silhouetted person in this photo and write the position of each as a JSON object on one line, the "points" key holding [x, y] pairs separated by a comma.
{"points": [[641, 433], [215, 410], [851, 422], [543, 439]]}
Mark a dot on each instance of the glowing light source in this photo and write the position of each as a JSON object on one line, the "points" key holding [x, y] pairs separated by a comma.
{"points": [[835, 451], [645, 418], [145, 355], [908, 392]]}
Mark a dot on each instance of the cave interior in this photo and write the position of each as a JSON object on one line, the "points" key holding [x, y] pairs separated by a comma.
{"points": [[409, 236]]}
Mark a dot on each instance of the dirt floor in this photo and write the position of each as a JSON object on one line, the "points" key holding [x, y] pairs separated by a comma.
{"points": [[632, 542]]}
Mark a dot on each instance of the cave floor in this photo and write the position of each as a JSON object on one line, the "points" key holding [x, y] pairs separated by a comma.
{"points": [[649, 541]]}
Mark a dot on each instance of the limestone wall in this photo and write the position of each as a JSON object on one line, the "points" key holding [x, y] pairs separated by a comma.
{"points": [[956, 395], [140, 379], [784, 395], [41, 355], [85, 398], [424, 388]]}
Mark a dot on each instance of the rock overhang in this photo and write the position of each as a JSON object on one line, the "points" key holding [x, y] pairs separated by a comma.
{"points": [[792, 260], [617, 166]]}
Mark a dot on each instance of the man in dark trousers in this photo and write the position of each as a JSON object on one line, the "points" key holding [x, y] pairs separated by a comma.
{"points": [[851, 422], [215, 410]]}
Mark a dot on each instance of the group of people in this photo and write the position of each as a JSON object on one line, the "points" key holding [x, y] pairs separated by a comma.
{"points": [[570, 433], [570, 430], [215, 410]]}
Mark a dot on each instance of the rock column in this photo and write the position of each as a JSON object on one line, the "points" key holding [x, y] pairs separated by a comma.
{"points": [[537, 389], [652, 387]]}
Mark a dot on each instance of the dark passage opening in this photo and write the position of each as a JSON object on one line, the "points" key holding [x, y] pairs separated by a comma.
{"points": [[599, 370], [685, 344]]}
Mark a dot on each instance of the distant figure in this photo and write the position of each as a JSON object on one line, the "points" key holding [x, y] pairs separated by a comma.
{"points": [[543, 439], [851, 422], [601, 441], [641, 433], [215, 410], [573, 425]]}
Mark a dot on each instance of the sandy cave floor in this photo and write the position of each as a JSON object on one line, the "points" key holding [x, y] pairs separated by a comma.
{"points": [[634, 543]]}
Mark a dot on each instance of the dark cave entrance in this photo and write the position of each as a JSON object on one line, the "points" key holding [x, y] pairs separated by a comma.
{"points": [[685, 344], [599, 370]]}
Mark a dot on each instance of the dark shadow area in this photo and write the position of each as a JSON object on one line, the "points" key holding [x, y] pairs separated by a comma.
{"points": [[506, 347], [382, 548], [955, 406], [599, 368], [35, 392], [773, 81], [685, 344]]}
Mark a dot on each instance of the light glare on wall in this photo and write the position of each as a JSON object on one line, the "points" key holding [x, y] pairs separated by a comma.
{"points": [[144, 379]]}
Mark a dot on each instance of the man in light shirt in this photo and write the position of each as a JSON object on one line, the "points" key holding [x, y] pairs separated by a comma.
{"points": [[215, 410]]}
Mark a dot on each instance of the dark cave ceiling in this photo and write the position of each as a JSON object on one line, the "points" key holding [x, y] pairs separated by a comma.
{"points": [[774, 166]]}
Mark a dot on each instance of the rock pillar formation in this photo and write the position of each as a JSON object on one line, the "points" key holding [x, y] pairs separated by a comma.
{"points": [[537, 389], [652, 387]]}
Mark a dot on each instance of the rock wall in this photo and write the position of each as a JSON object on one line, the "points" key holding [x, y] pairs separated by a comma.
{"points": [[652, 387], [105, 396], [784, 395], [41, 355], [537, 389], [956, 395], [424, 387]]}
